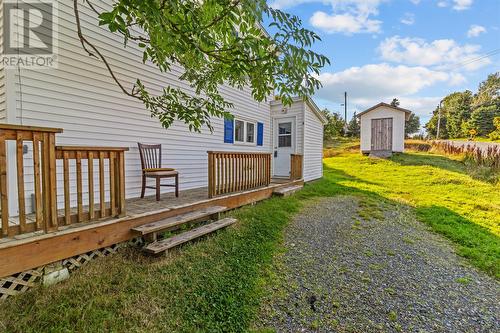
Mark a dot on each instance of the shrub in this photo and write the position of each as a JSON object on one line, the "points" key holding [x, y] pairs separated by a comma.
{"points": [[418, 145], [495, 135]]}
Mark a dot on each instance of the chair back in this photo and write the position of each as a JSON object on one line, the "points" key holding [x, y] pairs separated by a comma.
{"points": [[150, 156]]}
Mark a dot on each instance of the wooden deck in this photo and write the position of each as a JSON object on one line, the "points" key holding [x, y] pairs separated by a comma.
{"points": [[30, 250], [135, 207]]}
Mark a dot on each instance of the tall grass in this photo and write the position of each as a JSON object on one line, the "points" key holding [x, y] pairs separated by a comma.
{"points": [[480, 163], [489, 157]]}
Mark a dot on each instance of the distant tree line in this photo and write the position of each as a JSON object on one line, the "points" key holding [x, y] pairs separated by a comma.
{"points": [[465, 114], [335, 126]]}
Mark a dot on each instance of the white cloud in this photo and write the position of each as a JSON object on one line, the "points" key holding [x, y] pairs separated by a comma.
{"points": [[475, 30], [382, 81], [456, 4], [415, 2], [347, 16], [375, 83], [442, 53], [344, 23], [421, 106], [462, 4], [408, 19], [366, 6], [282, 4]]}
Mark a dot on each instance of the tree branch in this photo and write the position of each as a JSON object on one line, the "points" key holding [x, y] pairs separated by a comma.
{"points": [[85, 43]]}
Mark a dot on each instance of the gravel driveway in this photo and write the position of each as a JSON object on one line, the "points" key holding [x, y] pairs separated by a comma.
{"points": [[384, 272]]}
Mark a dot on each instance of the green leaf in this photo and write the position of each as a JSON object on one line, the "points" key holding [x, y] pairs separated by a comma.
{"points": [[216, 42]]}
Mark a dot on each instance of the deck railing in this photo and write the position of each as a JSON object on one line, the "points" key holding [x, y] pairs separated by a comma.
{"points": [[237, 171], [37, 173], [44, 174], [296, 162], [94, 160]]}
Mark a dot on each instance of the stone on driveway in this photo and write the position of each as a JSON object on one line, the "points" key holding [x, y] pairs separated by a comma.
{"points": [[357, 265]]}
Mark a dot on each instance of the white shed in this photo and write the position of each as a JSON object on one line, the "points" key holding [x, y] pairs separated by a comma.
{"points": [[383, 128]]}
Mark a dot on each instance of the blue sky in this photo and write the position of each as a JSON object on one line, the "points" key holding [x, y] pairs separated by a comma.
{"points": [[415, 50]]}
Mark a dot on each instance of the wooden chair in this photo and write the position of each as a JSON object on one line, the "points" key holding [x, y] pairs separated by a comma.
{"points": [[151, 168]]}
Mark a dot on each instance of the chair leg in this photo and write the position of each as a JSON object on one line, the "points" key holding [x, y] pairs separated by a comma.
{"points": [[158, 189], [176, 186], [143, 186]]}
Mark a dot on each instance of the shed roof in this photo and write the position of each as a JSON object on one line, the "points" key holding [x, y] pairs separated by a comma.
{"points": [[408, 112]]}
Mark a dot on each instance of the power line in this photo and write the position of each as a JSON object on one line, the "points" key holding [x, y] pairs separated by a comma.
{"points": [[470, 61]]}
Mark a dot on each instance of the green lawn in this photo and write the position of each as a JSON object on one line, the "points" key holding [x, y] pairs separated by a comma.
{"points": [[216, 284], [465, 210]]}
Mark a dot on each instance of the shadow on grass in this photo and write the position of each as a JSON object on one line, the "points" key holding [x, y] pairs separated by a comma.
{"points": [[442, 162], [472, 241]]}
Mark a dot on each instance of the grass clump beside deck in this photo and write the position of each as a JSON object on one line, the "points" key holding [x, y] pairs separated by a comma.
{"points": [[215, 285]]}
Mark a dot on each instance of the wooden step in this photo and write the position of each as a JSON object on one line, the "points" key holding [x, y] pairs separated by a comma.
{"points": [[177, 220], [168, 243], [286, 191]]}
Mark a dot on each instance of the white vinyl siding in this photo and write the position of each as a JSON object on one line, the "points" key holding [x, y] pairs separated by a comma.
{"points": [[295, 110], [3, 94], [80, 97], [313, 145]]}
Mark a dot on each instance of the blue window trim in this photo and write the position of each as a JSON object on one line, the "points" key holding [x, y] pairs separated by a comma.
{"points": [[228, 130], [260, 134]]}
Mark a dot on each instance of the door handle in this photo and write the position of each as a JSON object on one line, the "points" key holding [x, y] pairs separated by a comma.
{"points": [[275, 153]]}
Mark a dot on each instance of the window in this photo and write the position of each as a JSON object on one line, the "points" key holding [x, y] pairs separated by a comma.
{"points": [[239, 131], [285, 135], [244, 131], [250, 132]]}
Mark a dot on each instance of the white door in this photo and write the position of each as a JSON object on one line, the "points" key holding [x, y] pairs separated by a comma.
{"points": [[284, 145]]}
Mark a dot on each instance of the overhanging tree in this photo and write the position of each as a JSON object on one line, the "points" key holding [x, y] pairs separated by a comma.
{"points": [[216, 42]]}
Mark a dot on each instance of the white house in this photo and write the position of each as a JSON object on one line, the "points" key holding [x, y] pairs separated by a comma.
{"points": [[383, 128], [80, 97]]}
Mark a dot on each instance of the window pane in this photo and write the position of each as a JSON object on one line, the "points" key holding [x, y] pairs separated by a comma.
{"points": [[284, 141], [285, 128], [239, 129], [250, 132]]}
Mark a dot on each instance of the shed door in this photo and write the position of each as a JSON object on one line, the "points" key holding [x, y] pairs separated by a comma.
{"points": [[382, 134]]}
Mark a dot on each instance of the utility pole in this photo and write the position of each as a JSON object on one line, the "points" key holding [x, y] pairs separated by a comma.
{"points": [[439, 119], [345, 111]]}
